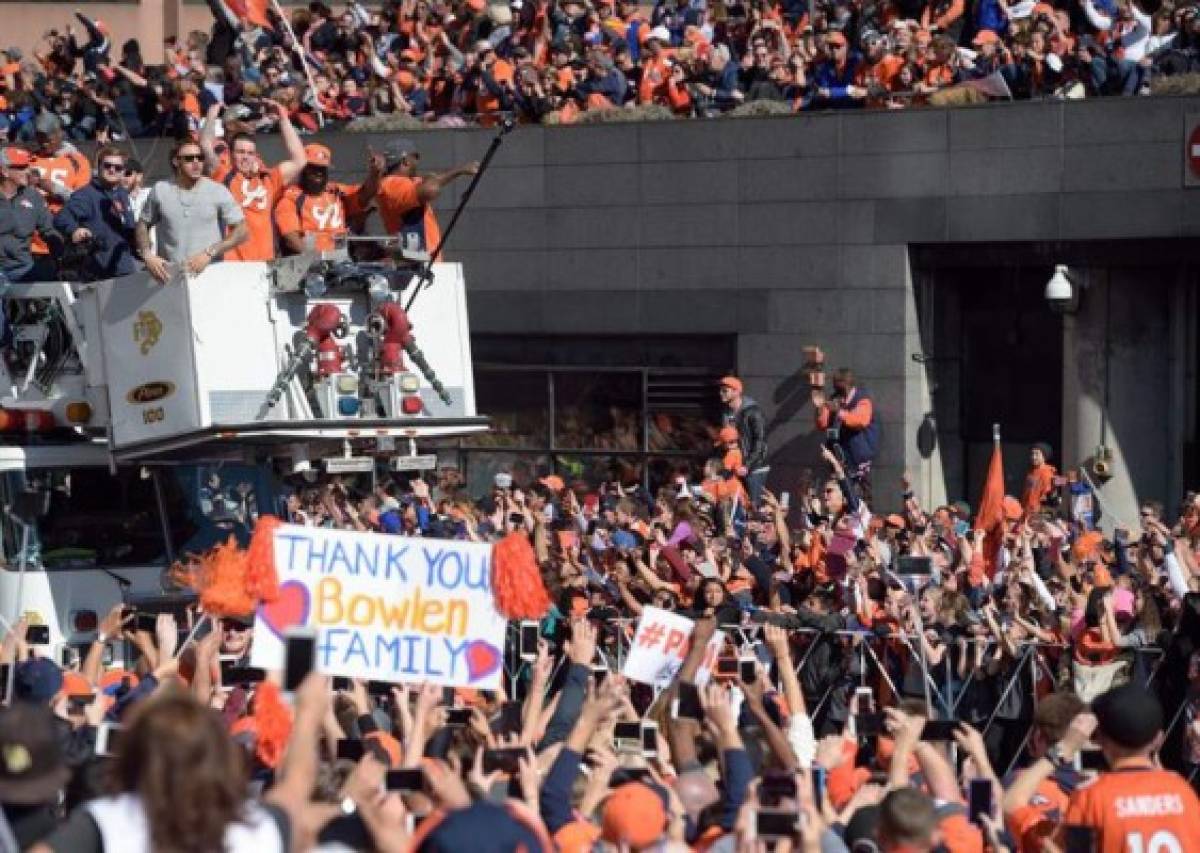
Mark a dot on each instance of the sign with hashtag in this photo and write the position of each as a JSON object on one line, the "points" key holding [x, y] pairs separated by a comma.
{"points": [[661, 643]]}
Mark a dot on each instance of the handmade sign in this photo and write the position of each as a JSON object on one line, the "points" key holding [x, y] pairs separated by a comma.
{"points": [[660, 645], [387, 608]]}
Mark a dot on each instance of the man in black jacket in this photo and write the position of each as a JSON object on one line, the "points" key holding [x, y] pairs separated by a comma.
{"points": [[744, 414], [99, 218]]}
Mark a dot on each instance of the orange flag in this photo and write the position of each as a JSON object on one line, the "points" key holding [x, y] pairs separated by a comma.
{"points": [[252, 11], [990, 518]]}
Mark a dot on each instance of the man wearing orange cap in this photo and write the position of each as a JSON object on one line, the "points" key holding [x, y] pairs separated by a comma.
{"points": [[23, 213], [743, 414], [255, 187], [315, 213]]}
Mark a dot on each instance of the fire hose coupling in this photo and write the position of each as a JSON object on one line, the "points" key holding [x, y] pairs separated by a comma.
{"points": [[390, 323]]}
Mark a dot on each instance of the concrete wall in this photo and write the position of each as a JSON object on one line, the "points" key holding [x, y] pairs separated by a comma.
{"points": [[794, 231]]}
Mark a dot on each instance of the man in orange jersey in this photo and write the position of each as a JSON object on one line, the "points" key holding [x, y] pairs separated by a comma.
{"points": [[405, 200], [255, 187], [315, 213], [1133, 807], [56, 171]]}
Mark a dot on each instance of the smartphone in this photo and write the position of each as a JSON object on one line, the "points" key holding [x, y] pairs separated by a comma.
{"points": [[38, 635], [458, 718], [1091, 759], [776, 787], [147, 622], [349, 749], [599, 673], [649, 739], [341, 683], [866, 701], [688, 702], [777, 824], [868, 725], [979, 800], [747, 670], [785, 501], [529, 640], [4, 670], [509, 720], [909, 565], [68, 657], [203, 629], [505, 760], [627, 735], [1079, 839], [408, 780], [108, 740], [939, 729], [234, 675], [727, 667], [299, 654], [379, 689], [818, 784], [76, 702]]}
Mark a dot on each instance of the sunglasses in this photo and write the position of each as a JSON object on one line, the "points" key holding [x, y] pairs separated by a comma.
{"points": [[191, 158], [113, 167], [16, 168]]}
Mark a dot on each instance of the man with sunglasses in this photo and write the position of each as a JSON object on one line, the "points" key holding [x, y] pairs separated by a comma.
{"points": [[98, 219], [197, 218]]}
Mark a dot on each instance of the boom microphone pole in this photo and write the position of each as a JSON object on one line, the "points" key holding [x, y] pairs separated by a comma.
{"points": [[426, 273]]}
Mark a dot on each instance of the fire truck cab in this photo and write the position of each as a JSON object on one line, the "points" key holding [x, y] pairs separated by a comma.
{"points": [[142, 421]]}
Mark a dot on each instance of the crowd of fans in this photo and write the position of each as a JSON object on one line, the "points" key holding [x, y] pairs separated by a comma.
{"points": [[914, 681], [554, 60]]}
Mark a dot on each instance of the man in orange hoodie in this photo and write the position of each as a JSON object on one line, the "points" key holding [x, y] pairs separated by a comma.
{"points": [[1039, 481]]}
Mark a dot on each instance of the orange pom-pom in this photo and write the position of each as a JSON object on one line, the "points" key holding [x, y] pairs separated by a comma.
{"points": [[232, 582], [262, 580], [273, 722], [516, 582]]}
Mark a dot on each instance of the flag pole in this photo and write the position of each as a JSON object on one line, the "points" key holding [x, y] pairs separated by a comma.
{"points": [[996, 434], [299, 48]]}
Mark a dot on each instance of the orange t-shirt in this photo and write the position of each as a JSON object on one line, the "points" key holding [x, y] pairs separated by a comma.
{"points": [[323, 216], [502, 72], [257, 196], [1138, 810], [402, 210], [71, 169], [1092, 650], [1039, 482]]}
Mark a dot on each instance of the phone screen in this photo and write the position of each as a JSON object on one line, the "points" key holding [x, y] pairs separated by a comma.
{"points": [[412, 779], [108, 740], [349, 749], [504, 760], [747, 670], [627, 733], [727, 667], [300, 651], [688, 704], [775, 824], [939, 729], [458, 717], [529, 640], [649, 739], [979, 799], [38, 635]]}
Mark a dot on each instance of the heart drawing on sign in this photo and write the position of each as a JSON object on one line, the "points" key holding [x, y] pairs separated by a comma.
{"points": [[482, 659], [289, 610]]}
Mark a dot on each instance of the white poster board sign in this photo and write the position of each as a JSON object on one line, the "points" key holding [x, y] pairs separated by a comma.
{"points": [[387, 608], [661, 643]]}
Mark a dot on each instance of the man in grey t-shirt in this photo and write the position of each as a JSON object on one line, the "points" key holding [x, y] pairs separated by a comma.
{"points": [[197, 219]]}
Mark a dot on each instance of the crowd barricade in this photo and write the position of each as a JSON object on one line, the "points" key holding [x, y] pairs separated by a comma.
{"points": [[944, 692]]}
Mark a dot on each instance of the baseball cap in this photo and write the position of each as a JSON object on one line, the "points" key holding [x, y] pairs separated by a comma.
{"points": [[660, 33], [553, 482], [1128, 715], [15, 157], [318, 155], [727, 434], [37, 680], [1012, 508], [634, 815], [31, 763], [731, 382]]}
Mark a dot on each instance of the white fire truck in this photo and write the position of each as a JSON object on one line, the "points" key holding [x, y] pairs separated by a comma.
{"points": [[141, 421]]}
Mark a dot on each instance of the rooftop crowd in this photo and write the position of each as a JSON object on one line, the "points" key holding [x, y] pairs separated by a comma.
{"points": [[1062, 664], [555, 60]]}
